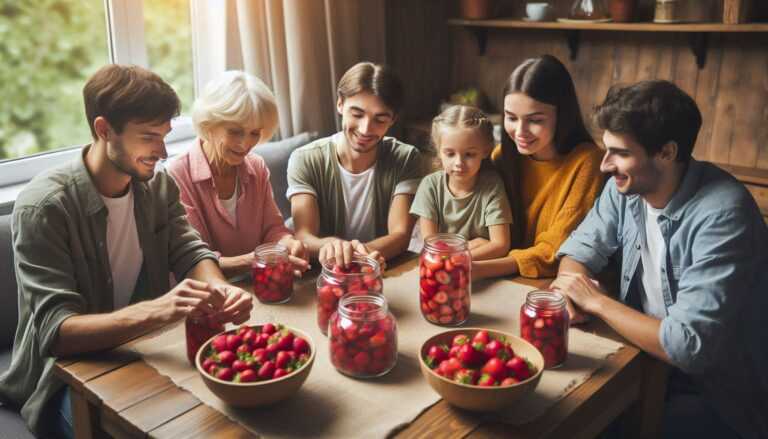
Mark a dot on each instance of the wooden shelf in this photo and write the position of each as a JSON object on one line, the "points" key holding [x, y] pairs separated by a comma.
{"points": [[698, 32], [623, 27]]}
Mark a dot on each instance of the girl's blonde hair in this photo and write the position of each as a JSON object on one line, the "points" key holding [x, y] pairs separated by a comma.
{"points": [[238, 97], [462, 116]]}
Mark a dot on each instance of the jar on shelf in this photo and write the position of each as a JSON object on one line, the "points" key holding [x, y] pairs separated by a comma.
{"points": [[445, 281], [363, 337], [588, 10], [544, 322], [199, 328], [272, 274], [360, 278]]}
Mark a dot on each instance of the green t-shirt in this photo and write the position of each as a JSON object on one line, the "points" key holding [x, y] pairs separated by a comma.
{"points": [[314, 169], [470, 215]]}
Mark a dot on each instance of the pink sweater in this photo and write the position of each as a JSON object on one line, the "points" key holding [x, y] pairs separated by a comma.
{"points": [[258, 218]]}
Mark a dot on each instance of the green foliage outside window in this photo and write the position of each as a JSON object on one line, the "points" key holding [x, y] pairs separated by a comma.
{"points": [[48, 49]]}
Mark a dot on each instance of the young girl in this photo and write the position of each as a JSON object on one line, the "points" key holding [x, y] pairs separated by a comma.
{"points": [[467, 196]]}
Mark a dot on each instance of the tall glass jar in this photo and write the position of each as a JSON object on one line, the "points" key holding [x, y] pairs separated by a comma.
{"points": [[544, 321], [363, 337], [361, 277], [445, 282], [199, 328], [272, 274]]}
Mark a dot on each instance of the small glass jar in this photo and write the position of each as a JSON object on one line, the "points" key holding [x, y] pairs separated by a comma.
{"points": [[361, 277], [363, 337], [544, 322], [199, 329], [272, 273], [445, 281]]}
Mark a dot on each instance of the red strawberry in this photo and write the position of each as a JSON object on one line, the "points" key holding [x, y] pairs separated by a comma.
{"points": [[285, 343], [442, 277], [239, 365], [300, 345], [460, 340], [248, 376], [233, 342], [268, 329], [225, 374], [283, 359], [492, 348], [279, 372], [519, 368], [378, 340], [466, 376], [469, 356], [481, 337], [486, 381], [220, 343], [441, 297], [267, 370], [260, 355], [509, 381], [495, 368], [227, 357]]}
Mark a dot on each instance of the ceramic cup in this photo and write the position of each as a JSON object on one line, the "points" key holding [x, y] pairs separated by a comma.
{"points": [[537, 11]]}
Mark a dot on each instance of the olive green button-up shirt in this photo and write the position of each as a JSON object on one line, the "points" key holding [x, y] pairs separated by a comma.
{"points": [[59, 227]]}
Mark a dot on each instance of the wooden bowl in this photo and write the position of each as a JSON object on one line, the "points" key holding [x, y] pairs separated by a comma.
{"points": [[258, 393], [476, 398]]}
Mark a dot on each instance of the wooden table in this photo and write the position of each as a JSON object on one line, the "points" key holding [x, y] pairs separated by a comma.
{"points": [[116, 393]]}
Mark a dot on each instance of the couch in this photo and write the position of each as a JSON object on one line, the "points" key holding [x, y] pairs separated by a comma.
{"points": [[276, 156]]}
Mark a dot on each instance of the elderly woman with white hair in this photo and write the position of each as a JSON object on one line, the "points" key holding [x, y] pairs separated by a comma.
{"points": [[225, 189]]}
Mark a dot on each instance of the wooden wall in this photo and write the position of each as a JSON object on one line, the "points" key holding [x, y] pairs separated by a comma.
{"points": [[731, 90]]}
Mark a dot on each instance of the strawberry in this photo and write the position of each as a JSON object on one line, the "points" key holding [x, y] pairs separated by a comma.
{"points": [[441, 297], [469, 356], [225, 374], [509, 381], [486, 381], [227, 357], [268, 329], [220, 343], [300, 345], [495, 367], [267, 370], [466, 376], [279, 372], [443, 277], [239, 365], [460, 339], [248, 376], [518, 368], [481, 337]]}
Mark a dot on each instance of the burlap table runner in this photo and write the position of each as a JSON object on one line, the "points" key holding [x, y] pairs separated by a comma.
{"points": [[333, 405]]}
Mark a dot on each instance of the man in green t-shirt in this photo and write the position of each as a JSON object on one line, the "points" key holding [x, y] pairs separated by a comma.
{"points": [[351, 192]]}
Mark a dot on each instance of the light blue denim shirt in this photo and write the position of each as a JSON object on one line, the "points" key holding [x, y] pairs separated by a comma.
{"points": [[714, 283]]}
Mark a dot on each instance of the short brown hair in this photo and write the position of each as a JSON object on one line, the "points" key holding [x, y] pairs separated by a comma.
{"points": [[121, 94], [376, 79]]}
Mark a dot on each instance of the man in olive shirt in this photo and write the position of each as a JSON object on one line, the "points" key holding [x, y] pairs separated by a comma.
{"points": [[351, 192], [94, 242]]}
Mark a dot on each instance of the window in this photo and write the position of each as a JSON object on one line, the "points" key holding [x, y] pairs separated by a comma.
{"points": [[50, 47]]}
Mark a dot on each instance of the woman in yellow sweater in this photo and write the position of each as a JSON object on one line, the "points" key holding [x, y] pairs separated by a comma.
{"points": [[550, 166]]}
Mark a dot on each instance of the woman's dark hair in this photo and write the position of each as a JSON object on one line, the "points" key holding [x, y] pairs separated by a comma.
{"points": [[546, 80], [653, 113]]}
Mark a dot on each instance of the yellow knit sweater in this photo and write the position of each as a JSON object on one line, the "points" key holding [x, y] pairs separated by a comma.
{"points": [[549, 199]]}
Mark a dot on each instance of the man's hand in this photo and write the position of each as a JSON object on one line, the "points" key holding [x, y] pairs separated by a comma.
{"points": [[342, 251], [237, 304], [297, 254], [189, 296], [582, 293]]}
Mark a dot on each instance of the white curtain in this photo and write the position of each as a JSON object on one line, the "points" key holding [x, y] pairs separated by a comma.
{"points": [[300, 48]]}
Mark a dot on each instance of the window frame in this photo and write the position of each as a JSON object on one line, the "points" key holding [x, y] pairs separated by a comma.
{"points": [[126, 45]]}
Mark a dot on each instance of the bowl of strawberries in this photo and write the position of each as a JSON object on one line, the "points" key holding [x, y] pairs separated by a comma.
{"points": [[480, 369], [256, 365]]}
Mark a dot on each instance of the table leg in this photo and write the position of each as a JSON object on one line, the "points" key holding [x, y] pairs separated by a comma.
{"points": [[85, 416], [643, 418]]}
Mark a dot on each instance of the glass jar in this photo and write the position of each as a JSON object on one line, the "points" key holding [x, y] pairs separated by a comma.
{"points": [[544, 322], [361, 277], [199, 328], [445, 281], [363, 337], [272, 274], [588, 10]]}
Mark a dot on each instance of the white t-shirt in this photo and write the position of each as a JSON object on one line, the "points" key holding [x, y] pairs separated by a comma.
{"points": [[125, 256], [358, 202], [230, 205], [652, 256]]}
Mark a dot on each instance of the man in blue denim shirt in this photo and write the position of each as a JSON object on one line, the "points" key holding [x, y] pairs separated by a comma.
{"points": [[694, 263]]}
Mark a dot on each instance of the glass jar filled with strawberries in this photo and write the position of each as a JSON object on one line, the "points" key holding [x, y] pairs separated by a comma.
{"points": [[544, 322], [199, 328], [272, 274], [363, 337], [361, 277], [445, 279]]}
